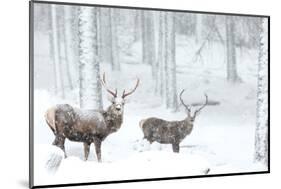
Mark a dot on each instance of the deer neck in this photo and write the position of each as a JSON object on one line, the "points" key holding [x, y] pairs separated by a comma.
{"points": [[113, 120], [187, 122]]}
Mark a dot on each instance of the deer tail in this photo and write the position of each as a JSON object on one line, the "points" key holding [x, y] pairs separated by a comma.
{"points": [[50, 118], [141, 123]]}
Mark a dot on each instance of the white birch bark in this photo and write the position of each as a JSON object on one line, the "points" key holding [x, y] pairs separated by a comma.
{"points": [[51, 49], [56, 51], [114, 41], [261, 138], [68, 51], [89, 73], [170, 62]]}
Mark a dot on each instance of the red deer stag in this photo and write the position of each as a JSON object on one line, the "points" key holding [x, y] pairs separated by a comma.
{"points": [[170, 132], [87, 126]]}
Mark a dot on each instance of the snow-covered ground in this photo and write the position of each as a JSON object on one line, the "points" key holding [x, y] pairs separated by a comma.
{"points": [[222, 140]]}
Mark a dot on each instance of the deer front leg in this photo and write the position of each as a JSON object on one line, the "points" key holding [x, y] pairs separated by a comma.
{"points": [[97, 143], [176, 147], [86, 150], [59, 142]]}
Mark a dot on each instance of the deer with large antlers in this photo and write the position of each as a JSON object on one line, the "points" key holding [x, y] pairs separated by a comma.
{"points": [[170, 132], [87, 126]]}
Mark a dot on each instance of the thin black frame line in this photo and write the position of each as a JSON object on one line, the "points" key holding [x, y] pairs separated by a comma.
{"points": [[31, 95], [149, 179], [31, 98], [268, 97], [147, 8]]}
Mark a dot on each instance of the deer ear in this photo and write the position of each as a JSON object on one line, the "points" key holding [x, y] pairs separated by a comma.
{"points": [[126, 100], [110, 98]]}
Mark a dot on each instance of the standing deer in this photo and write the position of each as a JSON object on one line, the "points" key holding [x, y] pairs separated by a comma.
{"points": [[87, 126], [170, 132]]}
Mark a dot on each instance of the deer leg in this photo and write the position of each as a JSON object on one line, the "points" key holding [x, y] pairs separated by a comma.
{"points": [[59, 142], [86, 150], [97, 143], [176, 147]]}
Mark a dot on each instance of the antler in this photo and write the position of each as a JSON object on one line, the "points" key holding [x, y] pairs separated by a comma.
{"points": [[129, 93], [186, 106], [107, 89], [197, 111]]}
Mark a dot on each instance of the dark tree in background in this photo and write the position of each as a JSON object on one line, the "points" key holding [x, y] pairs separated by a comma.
{"points": [[160, 56], [66, 42], [114, 57], [120, 35], [232, 75], [56, 52], [148, 40]]}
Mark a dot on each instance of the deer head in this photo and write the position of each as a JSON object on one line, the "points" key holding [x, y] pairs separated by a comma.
{"points": [[118, 102], [191, 118]]}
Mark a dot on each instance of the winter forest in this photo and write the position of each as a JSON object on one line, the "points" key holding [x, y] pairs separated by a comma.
{"points": [[220, 61]]}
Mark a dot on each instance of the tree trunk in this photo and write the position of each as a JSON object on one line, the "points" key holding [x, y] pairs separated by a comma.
{"points": [[89, 71], [232, 75], [261, 138], [114, 41], [151, 44], [99, 46], [67, 39], [170, 62], [52, 47], [144, 37], [160, 61], [75, 37], [199, 26], [136, 25], [57, 52], [148, 40]]}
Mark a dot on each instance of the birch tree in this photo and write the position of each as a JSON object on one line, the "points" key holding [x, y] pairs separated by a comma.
{"points": [[170, 61], [148, 40], [114, 41], [59, 86], [261, 138], [89, 71], [67, 38], [60, 37], [232, 75], [160, 59], [52, 47]]}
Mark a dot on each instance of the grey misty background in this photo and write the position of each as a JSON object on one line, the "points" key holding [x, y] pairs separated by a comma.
{"points": [[222, 56]]}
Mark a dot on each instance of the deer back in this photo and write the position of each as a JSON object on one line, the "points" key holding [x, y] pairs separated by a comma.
{"points": [[162, 131]]}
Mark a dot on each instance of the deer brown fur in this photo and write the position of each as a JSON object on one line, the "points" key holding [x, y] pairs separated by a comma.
{"points": [[87, 126], [170, 132]]}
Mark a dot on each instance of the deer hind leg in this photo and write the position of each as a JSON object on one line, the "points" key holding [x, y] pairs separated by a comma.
{"points": [[176, 147], [86, 150], [97, 143], [59, 142]]}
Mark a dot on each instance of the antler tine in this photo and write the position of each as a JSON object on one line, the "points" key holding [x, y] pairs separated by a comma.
{"points": [[186, 106], [107, 89], [129, 93], [205, 104]]}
